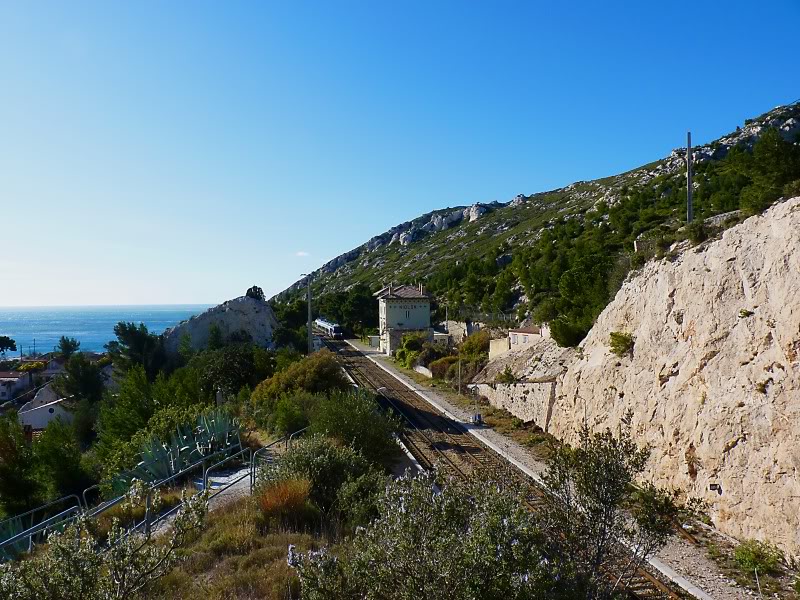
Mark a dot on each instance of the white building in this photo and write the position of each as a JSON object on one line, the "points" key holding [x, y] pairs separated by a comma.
{"points": [[402, 309], [44, 407], [517, 339], [12, 384]]}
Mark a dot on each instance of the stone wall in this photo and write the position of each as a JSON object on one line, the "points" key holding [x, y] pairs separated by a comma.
{"points": [[531, 402]]}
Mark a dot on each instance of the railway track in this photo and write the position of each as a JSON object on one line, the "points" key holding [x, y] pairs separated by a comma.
{"points": [[435, 440]]}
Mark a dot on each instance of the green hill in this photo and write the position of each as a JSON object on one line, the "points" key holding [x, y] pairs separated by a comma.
{"points": [[560, 256]]}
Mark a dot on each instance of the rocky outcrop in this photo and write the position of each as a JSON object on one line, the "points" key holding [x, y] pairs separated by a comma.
{"points": [[712, 381], [240, 318]]}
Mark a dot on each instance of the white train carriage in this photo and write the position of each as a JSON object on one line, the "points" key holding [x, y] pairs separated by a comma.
{"points": [[328, 328]]}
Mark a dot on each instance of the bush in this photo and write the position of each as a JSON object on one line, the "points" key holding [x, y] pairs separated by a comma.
{"points": [[355, 419], [697, 232], [507, 376], [440, 366], [469, 368], [753, 555], [567, 333], [325, 464], [431, 352], [414, 341], [463, 542], [357, 499], [289, 415], [620, 343], [318, 373], [475, 345], [792, 189]]}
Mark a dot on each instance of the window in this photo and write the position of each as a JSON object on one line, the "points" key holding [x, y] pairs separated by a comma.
{"points": [[408, 314], [514, 338], [51, 410], [524, 339]]}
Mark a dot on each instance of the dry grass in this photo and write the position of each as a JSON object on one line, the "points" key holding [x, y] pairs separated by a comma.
{"points": [[235, 558], [285, 505], [129, 515]]}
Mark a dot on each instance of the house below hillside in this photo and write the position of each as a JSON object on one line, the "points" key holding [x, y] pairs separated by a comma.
{"points": [[12, 384], [402, 309], [518, 339], [45, 407]]}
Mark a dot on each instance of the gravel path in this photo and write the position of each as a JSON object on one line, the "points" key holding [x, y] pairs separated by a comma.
{"points": [[690, 561]]}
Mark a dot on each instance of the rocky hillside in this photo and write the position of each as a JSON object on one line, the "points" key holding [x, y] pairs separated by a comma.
{"points": [[414, 250], [242, 318], [712, 378]]}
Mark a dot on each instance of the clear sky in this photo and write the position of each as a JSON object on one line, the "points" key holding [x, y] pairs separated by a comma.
{"points": [[178, 152]]}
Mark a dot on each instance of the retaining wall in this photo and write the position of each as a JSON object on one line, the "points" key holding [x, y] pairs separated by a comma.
{"points": [[526, 401]]}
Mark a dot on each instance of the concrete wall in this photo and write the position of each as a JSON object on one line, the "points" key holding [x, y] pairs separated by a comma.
{"points": [[498, 347], [531, 402]]}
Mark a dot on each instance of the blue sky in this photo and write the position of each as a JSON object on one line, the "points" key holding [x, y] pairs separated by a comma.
{"points": [[156, 152]]}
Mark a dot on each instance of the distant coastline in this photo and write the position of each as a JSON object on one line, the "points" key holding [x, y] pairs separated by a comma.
{"points": [[92, 326]]}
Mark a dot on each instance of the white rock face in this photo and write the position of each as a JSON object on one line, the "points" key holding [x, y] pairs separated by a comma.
{"points": [[234, 316], [474, 212], [714, 376]]}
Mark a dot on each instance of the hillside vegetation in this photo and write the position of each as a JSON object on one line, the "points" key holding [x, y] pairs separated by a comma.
{"points": [[560, 256]]}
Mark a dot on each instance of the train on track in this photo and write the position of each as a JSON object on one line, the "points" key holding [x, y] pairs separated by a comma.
{"points": [[330, 329]]}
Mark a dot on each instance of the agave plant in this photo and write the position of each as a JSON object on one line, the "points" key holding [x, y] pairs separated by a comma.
{"points": [[8, 529]]}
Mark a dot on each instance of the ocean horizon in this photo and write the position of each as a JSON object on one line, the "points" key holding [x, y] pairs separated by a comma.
{"points": [[40, 327]]}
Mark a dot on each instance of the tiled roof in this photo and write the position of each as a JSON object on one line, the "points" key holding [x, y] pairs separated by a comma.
{"points": [[10, 374], [401, 291], [533, 330]]}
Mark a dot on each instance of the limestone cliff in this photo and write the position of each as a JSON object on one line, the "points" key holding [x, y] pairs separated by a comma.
{"points": [[241, 317], [713, 378]]}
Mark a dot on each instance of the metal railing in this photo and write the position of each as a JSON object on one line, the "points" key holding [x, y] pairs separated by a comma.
{"points": [[42, 526], [255, 459], [265, 455], [39, 529]]}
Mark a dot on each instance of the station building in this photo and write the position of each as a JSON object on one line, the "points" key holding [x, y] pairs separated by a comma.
{"points": [[402, 309]]}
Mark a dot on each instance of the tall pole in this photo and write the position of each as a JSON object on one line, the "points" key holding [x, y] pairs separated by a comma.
{"points": [[689, 207], [308, 301]]}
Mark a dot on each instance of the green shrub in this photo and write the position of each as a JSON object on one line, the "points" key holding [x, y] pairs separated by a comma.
{"points": [[324, 463], [620, 343], [507, 376], [792, 189], [431, 352], [697, 232], [357, 499], [289, 415], [476, 344], [753, 555], [440, 366], [318, 373], [355, 419]]}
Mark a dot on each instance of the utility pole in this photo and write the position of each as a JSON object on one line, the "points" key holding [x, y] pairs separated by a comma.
{"points": [[308, 302], [689, 207]]}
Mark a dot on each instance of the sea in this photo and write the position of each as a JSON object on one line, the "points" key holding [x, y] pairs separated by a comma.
{"points": [[40, 328]]}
